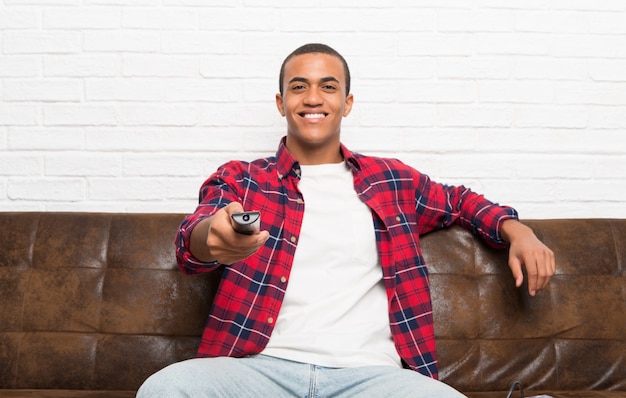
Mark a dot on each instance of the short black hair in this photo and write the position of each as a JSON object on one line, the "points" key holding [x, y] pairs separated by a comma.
{"points": [[312, 48]]}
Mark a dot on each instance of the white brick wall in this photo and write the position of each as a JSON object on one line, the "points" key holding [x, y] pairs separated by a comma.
{"points": [[111, 105]]}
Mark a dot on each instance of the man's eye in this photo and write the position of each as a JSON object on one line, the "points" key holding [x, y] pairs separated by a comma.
{"points": [[329, 87], [298, 87]]}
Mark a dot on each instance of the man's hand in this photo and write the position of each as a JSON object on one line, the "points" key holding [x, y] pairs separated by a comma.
{"points": [[215, 238], [529, 251]]}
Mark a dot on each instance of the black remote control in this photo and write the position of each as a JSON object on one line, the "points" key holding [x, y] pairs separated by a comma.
{"points": [[247, 222]]}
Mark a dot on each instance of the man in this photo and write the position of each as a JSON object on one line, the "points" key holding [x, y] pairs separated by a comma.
{"points": [[331, 297]]}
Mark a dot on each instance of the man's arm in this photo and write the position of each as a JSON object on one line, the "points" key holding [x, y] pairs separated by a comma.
{"points": [[529, 251]]}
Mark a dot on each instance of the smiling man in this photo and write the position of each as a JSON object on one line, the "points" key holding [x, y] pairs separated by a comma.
{"points": [[331, 297], [314, 100]]}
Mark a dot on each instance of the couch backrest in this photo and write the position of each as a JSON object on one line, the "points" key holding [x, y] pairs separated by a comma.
{"points": [[95, 301], [570, 336]]}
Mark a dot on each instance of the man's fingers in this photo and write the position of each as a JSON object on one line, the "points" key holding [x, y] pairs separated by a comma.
{"points": [[533, 276], [245, 246], [516, 269], [540, 267], [262, 237], [548, 268]]}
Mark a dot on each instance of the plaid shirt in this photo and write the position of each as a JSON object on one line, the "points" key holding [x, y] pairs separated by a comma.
{"points": [[404, 204]]}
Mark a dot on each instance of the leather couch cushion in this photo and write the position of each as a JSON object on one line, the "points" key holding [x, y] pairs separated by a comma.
{"points": [[92, 304]]}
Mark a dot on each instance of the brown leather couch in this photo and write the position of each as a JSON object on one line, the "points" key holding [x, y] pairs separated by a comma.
{"points": [[91, 304]]}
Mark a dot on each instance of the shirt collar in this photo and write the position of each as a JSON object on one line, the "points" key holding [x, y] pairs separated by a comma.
{"points": [[351, 159], [287, 164]]}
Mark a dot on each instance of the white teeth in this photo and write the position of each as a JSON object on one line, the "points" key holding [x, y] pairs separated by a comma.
{"points": [[314, 115]]}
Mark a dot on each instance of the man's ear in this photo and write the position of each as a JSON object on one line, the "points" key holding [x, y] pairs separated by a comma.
{"points": [[279, 104], [348, 107]]}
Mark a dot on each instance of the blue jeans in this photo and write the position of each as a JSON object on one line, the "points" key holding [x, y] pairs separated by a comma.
{"points": [[263, 376]]}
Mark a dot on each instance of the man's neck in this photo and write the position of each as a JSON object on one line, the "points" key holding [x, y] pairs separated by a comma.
{"points": [[316, 155], [315, 160]]}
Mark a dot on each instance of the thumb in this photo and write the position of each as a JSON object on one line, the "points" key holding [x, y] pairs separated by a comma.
{"points": [[233, 207], [263, 236], [516, 267]]}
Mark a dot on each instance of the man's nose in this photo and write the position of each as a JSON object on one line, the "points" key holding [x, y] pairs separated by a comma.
{"points": [[313, 97]]}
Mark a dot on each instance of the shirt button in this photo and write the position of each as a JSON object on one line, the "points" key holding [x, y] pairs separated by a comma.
{"points": [[293, 239], [283, 279], [270, 320], [398, 218], [299, 201]]}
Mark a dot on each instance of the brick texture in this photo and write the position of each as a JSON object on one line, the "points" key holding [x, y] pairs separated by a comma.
{"points": [[129, 105]]}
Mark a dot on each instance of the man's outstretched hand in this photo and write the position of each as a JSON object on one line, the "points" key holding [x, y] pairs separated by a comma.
{"points": [[215, 238]]}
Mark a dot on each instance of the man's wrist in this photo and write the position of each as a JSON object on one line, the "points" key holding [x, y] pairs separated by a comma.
{"points": [[198, 243], [512, 228]]}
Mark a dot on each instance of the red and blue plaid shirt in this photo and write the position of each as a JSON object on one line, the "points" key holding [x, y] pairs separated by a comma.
{"points": [[404, 205]]}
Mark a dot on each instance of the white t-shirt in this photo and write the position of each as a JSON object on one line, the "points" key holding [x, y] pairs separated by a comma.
{"points": [[335, 310]]}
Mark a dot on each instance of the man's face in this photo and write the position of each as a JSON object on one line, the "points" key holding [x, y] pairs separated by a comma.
{"points": [[314, 101]]}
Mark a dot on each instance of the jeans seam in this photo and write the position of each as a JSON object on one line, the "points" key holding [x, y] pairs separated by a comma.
{"points": [[313, 382]]}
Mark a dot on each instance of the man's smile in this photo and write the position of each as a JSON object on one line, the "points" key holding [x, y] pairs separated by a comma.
{"points": [[313, 115]]}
